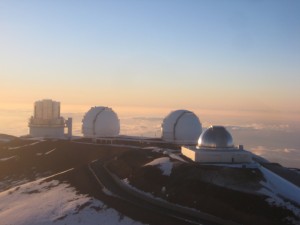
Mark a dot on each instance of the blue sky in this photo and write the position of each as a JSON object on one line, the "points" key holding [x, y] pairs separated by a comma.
{"points": [[239, 54]]}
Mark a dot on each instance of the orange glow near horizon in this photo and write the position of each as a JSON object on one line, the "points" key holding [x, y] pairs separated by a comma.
{"points": [[216, 116]]}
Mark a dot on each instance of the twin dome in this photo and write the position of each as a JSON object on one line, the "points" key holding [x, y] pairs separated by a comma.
{"points": [[184, 127], [180, 127]]}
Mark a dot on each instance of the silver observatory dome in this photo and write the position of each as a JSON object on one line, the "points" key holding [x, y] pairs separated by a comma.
{"points": [[216, 137]]}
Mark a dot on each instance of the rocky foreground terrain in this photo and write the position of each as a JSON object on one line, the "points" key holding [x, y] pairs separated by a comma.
{"points": [[244, 195], [49, 182]]}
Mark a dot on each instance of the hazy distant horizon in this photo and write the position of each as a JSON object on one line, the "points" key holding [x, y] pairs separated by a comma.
{"points": [[20, 113], [277, 138]]}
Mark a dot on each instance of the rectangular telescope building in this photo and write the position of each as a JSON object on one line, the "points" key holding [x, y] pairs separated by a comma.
{"points": [[46, 121]]}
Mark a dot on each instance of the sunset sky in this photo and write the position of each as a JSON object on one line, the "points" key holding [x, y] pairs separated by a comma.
{"points": [[219, 55]]}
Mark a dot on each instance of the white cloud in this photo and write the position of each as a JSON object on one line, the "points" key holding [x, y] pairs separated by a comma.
{"points": [[261, 126]]}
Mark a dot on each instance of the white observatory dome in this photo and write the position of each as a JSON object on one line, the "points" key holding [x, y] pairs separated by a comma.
{"points": [[216, 137], [182, 127], [100, 122]]}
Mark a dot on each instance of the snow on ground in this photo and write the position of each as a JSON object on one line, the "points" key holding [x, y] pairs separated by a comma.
{"points": [[280, 190], [154, 149], [164, 164], [11, 181], [166, 151], [52, 150], [51, 202], [177, 157], [8, 158], [281, 186], [8, 182], [46, 153]]}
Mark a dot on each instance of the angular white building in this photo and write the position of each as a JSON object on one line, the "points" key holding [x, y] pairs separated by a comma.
{"points": [[47, 122], [100, 122], [215, 145], [181, 127]]}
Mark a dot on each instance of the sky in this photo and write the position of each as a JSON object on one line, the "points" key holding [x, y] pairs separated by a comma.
{"points": [[240, 55]]}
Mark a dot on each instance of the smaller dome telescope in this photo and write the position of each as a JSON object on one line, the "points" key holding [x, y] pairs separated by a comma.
{"points": [[215, 145], [215, 137]]}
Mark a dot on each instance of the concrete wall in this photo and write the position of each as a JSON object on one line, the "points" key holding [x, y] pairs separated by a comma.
{"points": [[188, 153], [217, 156], [51, 132]]}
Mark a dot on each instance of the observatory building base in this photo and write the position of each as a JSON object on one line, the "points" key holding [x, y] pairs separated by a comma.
{"points": [[51, 132], [216, 156]]}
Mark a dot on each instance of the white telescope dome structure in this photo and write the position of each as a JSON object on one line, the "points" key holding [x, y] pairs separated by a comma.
{"points": [[181, 127], [100, 121]]}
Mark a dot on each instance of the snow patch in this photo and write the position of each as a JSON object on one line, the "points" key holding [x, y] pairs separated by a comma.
{"points": [[46, 203], [52, 150], [46, 153], [281, 192], [154, 149], [281, 186], [126, 181], [8, 158], [164, 164], [8, 182], [177, 157], [107, 192]]}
